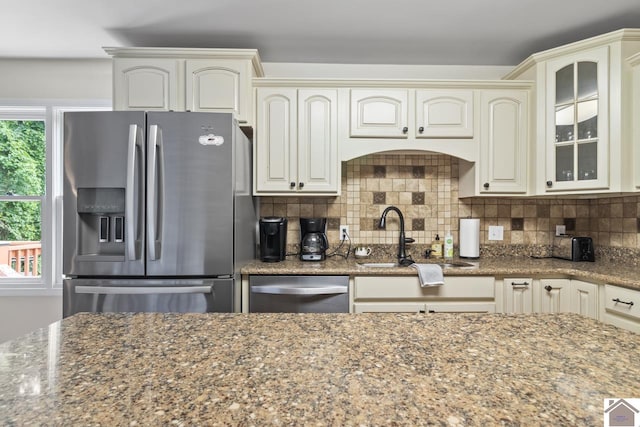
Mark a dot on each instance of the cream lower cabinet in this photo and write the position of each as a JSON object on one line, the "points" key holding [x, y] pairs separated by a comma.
{"points": [[584, 298], [554, 295], [296, 144], [621, 307], [403, 294], [518, 295]]}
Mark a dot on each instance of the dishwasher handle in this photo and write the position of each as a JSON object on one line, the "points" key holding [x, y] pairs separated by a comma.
{"points": [[299, 289], [142, 290]]}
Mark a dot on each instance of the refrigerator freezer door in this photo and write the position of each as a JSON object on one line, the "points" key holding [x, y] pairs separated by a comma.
{"points": [[190, 194], [104, 193], [142, 295]]}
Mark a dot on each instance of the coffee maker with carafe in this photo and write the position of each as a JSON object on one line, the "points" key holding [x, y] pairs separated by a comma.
{"points": [[313, 239]]}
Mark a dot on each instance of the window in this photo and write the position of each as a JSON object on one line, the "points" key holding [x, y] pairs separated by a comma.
{"points": [[31, 152], [23, 150]]}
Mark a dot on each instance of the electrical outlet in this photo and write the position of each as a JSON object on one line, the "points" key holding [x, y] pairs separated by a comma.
{"points": [[344, 232], [496, 232], [561, 230]]}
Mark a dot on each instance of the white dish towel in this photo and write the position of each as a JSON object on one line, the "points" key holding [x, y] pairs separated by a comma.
{"points": [[429, 274]]}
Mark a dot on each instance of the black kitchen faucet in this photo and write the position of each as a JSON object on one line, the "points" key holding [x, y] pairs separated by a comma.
{"points": [[403, 259]]}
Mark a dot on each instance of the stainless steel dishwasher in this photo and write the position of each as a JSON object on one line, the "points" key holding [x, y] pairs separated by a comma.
{"points": [[299, 294]]}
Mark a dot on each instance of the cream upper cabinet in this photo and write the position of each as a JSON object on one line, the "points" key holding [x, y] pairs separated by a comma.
{"points": [[584, 125], [577, 117], [411, 113], [444, 113], [217, 80], [218, 86], [379, 113], [634, 61], [503, 142], [296, 144], [146, 85]]}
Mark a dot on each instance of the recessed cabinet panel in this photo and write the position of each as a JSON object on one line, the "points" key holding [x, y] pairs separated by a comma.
{"points": [[444, 113], [213, 86], [518, 295], [584, 298], [276, 141], [296, 142], [379, 113], [503, 143], [149, 86], [555, 295], [318, 140]]}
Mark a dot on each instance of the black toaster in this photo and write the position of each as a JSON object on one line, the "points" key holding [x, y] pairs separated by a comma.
{"points": [[573, 248]]}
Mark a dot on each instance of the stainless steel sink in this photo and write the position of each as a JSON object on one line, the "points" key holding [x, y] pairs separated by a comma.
{"points": [[453, 264]]}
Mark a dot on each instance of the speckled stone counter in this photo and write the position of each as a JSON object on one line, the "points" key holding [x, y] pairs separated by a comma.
{"points": [[317, 369], [620, 274]]}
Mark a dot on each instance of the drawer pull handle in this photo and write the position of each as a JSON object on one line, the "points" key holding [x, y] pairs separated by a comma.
{"points": [[618, 300], [515, 284]]}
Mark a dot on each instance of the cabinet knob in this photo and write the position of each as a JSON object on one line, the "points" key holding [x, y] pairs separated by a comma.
{"points": [[548, 288], [549, 183], [421, 129], [300, 185], [486, 185], [405, 129], [292, 184]]}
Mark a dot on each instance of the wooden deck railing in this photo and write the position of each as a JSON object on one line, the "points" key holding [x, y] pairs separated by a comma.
{"points": [[22, 257]]}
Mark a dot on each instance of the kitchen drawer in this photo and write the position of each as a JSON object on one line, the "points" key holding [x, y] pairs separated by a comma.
{"points": [[392, 287], [622, 301]]}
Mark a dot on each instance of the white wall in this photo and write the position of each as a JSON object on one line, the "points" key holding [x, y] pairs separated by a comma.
{"points": [[55, 79], [29, 81]]}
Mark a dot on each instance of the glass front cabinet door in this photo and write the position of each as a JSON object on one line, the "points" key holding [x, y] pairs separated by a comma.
{"points": [[577, 146]]}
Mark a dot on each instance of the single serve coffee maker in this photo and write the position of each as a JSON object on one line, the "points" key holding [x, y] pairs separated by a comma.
{"points": [[313, 239], [273, 239]]}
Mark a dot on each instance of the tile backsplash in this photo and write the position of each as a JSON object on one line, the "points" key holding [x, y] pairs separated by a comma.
{"points": [[425, 189]]}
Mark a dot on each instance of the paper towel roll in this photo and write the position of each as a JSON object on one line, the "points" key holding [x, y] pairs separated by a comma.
{"points": [[469, 237]]}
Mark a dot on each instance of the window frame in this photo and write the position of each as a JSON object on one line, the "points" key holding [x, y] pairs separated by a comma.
{"points": [[52, 112]]}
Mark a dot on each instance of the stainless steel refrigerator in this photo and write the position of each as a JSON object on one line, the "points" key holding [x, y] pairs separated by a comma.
{"points": [[158, 213]]}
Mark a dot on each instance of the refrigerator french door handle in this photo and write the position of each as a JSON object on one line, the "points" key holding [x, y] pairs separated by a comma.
{"points": [[151, 191], [130, 194], [155, 192]]}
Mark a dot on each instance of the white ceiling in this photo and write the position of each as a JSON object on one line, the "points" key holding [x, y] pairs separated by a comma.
{"points": [[444, 32]]}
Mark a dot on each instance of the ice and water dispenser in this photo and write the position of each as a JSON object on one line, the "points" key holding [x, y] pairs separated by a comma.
{"points": [[101, 225]]}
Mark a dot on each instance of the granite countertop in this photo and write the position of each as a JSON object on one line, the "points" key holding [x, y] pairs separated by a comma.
{"points": [[598, 272], [326, 369]]}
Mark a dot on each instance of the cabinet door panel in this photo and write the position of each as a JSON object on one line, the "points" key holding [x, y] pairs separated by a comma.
{"points": [[214, 86], [503, 146], [318, 140], [148, 85], [444, 113], [518, 295], [276, 140], [584, 298], [379, 113], [467, 307], [555, 295]]}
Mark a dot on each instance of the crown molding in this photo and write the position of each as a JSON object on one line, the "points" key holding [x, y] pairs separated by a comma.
{"points": [[188, 53], [625, 34], [392, 83]]}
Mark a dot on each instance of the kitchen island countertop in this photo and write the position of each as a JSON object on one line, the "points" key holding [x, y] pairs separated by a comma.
{"points": [[621, 274], [337, 369]]}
